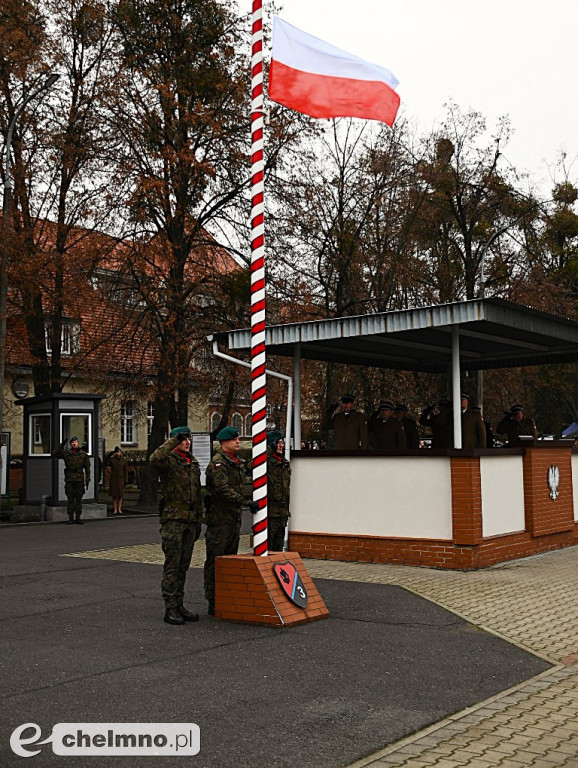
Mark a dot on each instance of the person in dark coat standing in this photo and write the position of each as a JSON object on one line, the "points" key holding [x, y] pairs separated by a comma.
{"points": [[76, 477], [278, 491], [409, 426], [514, 424], [118, 479], [473, 427], [349, 426], [441, 422], [385, 432], [181, 516], [228, 490]]}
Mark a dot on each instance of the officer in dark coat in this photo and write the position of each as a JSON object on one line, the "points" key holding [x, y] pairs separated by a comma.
{"points": [[228, 490], [118, 479], [385, 432], [76, 477], [349, 426], [278, 491], [409, 426], [181, 515], [514, 424], [473, 427], [441, 422]]}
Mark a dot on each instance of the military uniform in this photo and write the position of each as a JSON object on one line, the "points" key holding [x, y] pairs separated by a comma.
{"points": [[228, 489], [513, 428], [411, 433], [441, 425], [386, 434], [181, 517], [76, 478], [473, 430], [350, 431], [118, 475], [278, 489]]}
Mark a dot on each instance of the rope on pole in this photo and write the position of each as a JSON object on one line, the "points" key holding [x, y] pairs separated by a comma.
{"points": [[258, 356]]}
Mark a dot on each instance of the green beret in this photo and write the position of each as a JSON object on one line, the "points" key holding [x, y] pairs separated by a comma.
{"points": [[228, 433], [273, 436], [180, 431]]}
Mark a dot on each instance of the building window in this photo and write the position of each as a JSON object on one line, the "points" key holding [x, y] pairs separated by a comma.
{"points": [[150, 417], [237, 422], [128, 434], [69, 337], [248, 425], [215, 421]]}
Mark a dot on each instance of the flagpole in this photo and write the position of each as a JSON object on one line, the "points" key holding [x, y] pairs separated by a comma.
{"points": [[258, 357]]}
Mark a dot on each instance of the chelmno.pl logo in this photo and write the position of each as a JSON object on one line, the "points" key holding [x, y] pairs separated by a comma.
{"points": [[110, 739]]}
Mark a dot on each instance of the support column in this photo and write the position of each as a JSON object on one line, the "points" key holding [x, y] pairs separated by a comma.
{"points": [[456, 386], [297, 395]]}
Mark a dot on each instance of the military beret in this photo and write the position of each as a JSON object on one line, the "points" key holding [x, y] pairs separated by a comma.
{"points": [[228, 433], [273, 436], [516, 408], [73, 438], [180, 431], [400, 409], [445, 403], [347, 399], [385, 405]]}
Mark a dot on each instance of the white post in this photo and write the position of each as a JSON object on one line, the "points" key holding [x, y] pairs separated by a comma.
{"points": [[297, 395], [456, 387]]}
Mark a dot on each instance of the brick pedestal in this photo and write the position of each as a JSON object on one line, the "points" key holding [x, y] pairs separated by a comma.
{"points": [[247, 590]]}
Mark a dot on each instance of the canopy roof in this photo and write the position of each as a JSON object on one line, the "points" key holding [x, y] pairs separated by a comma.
{"points": [[493, 333]]}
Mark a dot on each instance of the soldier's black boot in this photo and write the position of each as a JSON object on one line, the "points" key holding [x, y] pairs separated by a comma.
{"points": [[70, 520], [187, 615], [172, 616], [78, 521]]}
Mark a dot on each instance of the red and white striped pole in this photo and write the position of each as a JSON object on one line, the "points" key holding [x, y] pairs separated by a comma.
{"points": [[258, 364]]}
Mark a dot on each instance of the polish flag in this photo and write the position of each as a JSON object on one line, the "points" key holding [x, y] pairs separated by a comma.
{"points": [[320, 80]]}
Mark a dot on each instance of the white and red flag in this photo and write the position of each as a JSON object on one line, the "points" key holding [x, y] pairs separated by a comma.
{"points": [[320, 80]]}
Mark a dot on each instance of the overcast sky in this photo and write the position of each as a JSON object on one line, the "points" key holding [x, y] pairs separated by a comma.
{"points": [[514, 57]]}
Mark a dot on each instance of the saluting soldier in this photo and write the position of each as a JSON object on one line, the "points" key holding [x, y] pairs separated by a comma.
{"points": [[409, 426], [181, 516], [385, 432], [514, 424], [278, 491], [441, 423], [473, 427], [228, 490], [76, 477], [349, 426]]}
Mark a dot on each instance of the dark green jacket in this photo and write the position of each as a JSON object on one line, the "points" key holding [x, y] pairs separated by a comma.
{"points": [[76, 464], [229, 488], [180, 483], [513, 428], [278, 485]]}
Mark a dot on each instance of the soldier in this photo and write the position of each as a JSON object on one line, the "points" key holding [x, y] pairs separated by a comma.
{"points": [[514, 424], [386, 432], [76, 477], [118, 479], [473, 427], [409, 426], [181, 515], [228, 489], [278, 489], [441, 423], [350, 426]]}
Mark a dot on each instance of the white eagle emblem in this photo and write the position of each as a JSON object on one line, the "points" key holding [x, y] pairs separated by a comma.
{"points": [[553, 481]]}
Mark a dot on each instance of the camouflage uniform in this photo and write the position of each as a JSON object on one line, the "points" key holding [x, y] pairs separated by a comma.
{"points": [[228, 489], [181, 516], [76, 477], [278, 489]]}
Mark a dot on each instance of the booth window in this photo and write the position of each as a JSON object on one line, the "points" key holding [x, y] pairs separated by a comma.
{"points": [[77, 425], [128, 432], [39, 444]]}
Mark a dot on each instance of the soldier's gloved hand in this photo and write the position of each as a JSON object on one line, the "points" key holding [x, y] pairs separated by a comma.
{"points": [[182, 436], [253, 507]]}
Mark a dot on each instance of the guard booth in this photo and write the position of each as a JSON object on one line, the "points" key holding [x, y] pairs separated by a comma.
{"points": [[47, 421]]}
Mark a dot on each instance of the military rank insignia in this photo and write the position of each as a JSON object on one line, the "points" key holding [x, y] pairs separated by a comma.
{"points": [[291, 583]]}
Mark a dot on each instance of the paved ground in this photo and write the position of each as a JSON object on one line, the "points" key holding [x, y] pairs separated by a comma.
{"points": [[82, 641]]}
